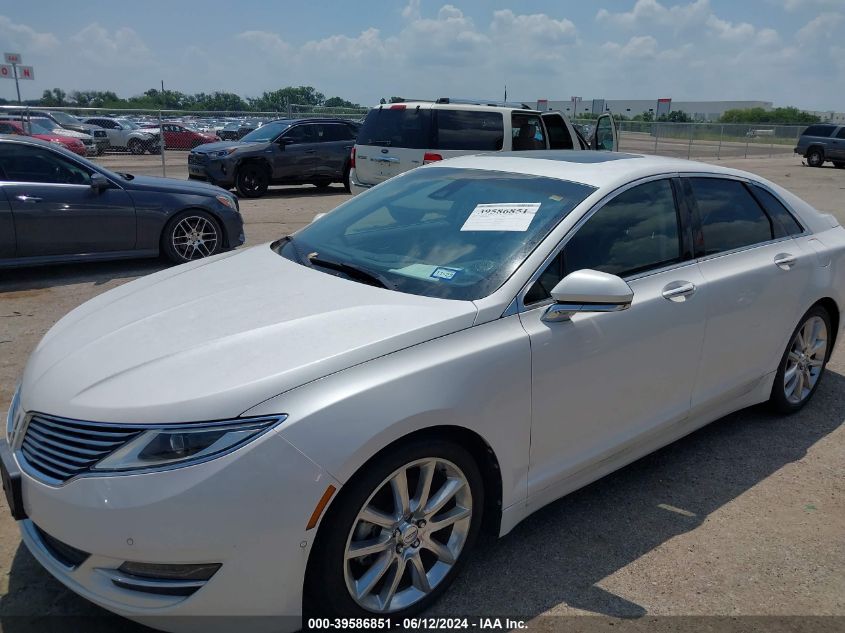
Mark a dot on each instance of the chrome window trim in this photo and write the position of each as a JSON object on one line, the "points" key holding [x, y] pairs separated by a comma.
{"points": [[518, 305]]}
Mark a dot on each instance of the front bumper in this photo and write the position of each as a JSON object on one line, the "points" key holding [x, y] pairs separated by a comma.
{"points": [[246, 510], [217, 172]]}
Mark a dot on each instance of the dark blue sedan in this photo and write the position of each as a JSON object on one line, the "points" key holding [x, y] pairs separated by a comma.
{"points": [[58, 207]]}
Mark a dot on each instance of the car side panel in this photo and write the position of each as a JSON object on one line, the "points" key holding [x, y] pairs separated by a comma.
{"points": [[478, 379], [7, 227]]}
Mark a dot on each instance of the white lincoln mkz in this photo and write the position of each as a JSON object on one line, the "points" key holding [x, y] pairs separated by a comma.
{"points": [[332, 418]]}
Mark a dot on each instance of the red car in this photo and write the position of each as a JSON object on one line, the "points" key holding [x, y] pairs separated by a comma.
{"points": [[177, 136], [68, 142]]}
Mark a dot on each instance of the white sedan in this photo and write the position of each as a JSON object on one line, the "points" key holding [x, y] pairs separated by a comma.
{"points": [[333, 418]]}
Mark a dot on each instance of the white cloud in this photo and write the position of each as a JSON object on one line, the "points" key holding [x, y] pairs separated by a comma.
{"points": [[821, 27], [730, 31], [797, 5], [412, 10], [20, 38], [537, 29], [123, 48], [266, 41], [652, 12], [638, 47]]}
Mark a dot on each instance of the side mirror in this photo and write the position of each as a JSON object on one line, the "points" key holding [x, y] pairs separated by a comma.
{"points": [[99, 182], [588, 291]]}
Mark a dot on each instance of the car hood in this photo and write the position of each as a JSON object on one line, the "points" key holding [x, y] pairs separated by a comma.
{"points": [[210, 339], [216, 147], [171, 185], [63, 131]]}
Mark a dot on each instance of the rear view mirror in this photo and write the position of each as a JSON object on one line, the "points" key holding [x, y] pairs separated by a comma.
{"points": [[588, 291]]}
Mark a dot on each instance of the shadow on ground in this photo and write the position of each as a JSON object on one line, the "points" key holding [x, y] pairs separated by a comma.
{"points": [[41, 277], [559, 554]]}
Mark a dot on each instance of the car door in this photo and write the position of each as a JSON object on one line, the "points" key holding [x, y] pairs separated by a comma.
{"points": [[606, 135], [755, 275], [560, 134], [299, 159], [837, 144], [56, 210], [602, 380], [337, 142]]}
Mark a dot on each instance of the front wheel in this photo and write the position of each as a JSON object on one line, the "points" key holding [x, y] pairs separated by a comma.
{"points": [[803, 362], [136, 146], [815, 157], [399, 534], [192, 235], [252, 181]]}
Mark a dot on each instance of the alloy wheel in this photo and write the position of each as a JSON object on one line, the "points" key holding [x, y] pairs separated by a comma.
{"points": [[408, 535], [805, 360], [194, 237]]}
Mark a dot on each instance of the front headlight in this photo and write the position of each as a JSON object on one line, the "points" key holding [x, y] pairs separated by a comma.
{"points": [[224, 152], [228, 201], [13, 415], [185, 445]]}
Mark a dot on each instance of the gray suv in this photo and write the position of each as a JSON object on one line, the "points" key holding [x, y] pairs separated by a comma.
{"points": [[823, 142], [281, 152]]}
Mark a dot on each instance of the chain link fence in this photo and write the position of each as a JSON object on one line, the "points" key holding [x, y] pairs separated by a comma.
{"points": [[155, 142], [707, 141]]}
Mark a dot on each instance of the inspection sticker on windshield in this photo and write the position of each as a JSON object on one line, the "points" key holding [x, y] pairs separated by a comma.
{"points": [[444, 273], [501, 217]]}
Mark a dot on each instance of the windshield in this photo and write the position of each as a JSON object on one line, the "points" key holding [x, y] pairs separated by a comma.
{"points": [[127, 124], [441, 232], [38, 126], [64, 118], [267, 132]]}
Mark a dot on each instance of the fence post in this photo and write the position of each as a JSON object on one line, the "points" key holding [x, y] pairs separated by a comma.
{"points": [[689, 147], [747, 138], [656, 135], [161, 145], [719, 149]]}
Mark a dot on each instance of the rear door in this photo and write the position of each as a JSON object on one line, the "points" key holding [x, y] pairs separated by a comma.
{"points": [[299, 158], [55, 209], [393, 139], [606, 136], [837, 144], [337, 140], [560, 132]]}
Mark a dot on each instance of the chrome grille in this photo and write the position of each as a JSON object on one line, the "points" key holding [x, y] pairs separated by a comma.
{"points": [[59, 449]]}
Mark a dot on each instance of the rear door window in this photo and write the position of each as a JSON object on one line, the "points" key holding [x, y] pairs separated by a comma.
{"points": [[841, 132], [784, 223], [559, 137], [397, 126], [527, 132], [468, 130], [818, 130], [337, 132], [730, 217]]}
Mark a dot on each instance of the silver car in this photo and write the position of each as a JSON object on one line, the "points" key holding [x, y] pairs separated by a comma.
{"points": [[331, 419]]}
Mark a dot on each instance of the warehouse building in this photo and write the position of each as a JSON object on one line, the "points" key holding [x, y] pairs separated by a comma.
{"points": [[698, 110]]}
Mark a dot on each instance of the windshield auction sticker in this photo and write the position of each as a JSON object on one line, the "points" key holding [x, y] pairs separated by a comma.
{"points": [[501, 217]]}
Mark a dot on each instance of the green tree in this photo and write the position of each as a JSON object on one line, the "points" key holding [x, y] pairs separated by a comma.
{"points": [[54, 97], [782, 116], [337, 102]]}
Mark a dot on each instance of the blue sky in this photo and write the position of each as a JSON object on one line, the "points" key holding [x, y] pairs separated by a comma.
{"points": [[791, 52]]}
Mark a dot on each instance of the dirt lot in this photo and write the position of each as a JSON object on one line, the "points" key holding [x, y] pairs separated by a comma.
{"points": [[743, 518]]}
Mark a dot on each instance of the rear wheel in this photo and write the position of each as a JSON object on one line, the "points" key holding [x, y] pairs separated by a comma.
{"points": [[136, 146], [192, 235], [815, 157], [322, 184], [803, 362], [252, 181], [399, 534]]}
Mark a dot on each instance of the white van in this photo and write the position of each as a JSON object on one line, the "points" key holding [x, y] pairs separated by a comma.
{"points": [[396, 137]]}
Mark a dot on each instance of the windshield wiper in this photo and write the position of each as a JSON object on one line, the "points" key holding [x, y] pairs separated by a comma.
{"points": [[360, 274]]}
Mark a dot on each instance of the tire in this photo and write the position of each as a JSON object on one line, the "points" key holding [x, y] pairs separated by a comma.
{"points": [[347, 185], [100, 150], [811, 355], [815, 157], [252, 181], [331, 579], [322, 184], [839, 164], [191, 235], [135, 146]]}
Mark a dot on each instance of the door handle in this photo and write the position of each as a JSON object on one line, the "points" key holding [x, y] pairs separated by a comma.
{"points": [[785, 261], [678, 291], [385, 159], [29, 198]]}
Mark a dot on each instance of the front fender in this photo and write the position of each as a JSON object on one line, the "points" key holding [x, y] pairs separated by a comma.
{"points": [[478, 378]]}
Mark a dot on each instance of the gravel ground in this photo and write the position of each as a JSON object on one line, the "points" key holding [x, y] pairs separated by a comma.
{"points": [[745, 517]]}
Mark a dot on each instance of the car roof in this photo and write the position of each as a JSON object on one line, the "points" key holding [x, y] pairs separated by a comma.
{"points": [[430, 105], [597, 169]]}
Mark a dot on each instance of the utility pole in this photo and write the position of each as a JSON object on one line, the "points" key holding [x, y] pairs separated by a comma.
{"points": [[161, 131]]}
